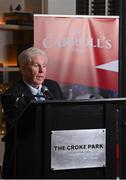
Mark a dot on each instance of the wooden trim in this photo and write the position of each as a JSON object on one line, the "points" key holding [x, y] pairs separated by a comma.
{"points": [[36, 7], [44, 6]]}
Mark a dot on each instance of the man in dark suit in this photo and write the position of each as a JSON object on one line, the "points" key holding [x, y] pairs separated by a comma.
{"points": [[32, 64]]}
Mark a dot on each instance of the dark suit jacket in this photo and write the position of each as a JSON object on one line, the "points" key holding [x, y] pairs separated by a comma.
{"points": [[21, 92], [17, 97]]}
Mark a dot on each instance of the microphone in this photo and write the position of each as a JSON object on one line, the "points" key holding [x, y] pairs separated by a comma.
{"points": [[47, 94]]}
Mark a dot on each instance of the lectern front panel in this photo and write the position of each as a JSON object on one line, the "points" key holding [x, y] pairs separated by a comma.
{"points": [[95, 129]]}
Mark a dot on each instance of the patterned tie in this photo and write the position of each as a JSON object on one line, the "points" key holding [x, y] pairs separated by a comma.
{"points": [[40, 96]]}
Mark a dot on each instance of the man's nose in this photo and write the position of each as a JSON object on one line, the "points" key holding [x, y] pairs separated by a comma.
{"points": [[40, 69]]}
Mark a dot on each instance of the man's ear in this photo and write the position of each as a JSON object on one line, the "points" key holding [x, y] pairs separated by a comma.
{"points": [[22, 68]]}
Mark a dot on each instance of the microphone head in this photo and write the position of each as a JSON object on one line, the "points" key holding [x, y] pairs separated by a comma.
{"points": [[47, 93], [45, 89]]}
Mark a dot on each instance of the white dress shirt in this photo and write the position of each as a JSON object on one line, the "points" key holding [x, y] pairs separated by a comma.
{"points": [[36, 92]]}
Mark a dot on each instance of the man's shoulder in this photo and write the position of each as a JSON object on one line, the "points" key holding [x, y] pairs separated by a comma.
{"points": [[49, 81], [54, 88], [15, 88]]}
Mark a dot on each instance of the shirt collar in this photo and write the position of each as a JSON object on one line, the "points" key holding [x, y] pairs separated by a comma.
{"points": [[33, 90]]}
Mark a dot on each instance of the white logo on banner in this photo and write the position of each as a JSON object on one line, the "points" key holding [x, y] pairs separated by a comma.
{"points": [[111, 66]]}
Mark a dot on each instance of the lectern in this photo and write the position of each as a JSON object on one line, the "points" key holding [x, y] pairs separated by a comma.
{"points": [[68, 139]]}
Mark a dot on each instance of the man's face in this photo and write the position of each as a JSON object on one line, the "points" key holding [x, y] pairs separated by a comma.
{"points": [[34, 73]]}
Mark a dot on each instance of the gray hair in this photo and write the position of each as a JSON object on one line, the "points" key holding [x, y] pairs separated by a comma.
{"points": [[26, 55]]}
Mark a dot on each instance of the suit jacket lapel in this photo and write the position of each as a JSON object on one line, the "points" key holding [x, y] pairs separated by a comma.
{"points": [[26, 91]]}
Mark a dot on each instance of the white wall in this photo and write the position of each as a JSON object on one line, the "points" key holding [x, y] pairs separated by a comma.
{"points": [[65, 7]]}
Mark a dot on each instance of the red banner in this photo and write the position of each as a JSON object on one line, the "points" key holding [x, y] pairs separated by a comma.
{"points": [[81, 50]]}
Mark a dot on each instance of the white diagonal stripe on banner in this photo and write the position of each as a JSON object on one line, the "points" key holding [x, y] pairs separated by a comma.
{"points": [[111, 66]]}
